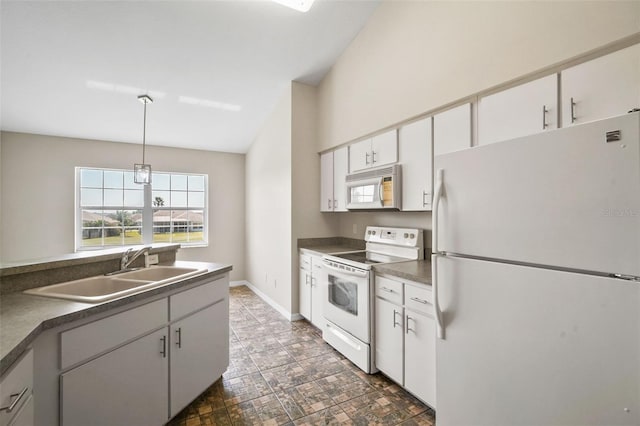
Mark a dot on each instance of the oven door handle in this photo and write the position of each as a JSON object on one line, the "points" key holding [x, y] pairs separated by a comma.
{"points": [[354, 272]]}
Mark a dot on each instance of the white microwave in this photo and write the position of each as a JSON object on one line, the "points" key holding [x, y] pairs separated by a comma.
{"points": [[375, 189]]}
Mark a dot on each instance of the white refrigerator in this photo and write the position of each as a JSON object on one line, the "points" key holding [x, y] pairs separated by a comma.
{"points": [[536, 272]]}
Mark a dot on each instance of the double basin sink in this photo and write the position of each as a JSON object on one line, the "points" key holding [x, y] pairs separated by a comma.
{"points": [[104, 288]]}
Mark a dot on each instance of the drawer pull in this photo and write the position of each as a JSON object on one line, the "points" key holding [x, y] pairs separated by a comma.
{"points": [[416, 299], [388, 290], [19, 396]]}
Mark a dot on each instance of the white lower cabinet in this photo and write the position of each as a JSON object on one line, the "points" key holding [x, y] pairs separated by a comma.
{"points": [[148, 379], [199, 353], [405, 336], [128, 386], [16, 393], [310, 284]]}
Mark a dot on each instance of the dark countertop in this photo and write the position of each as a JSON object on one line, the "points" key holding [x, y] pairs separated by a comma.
{"points": [[413, 270], [23, 317]]}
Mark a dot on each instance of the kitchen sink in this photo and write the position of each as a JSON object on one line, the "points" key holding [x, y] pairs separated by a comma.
{"points": [[104, 288]]}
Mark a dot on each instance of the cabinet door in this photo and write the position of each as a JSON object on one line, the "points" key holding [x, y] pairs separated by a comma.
{"points": [[523, 110], [326, 182], [199, 353], [128, 386], [388, 358], [417, 162], [317, 301], [420, 356], [305, 294], [452, 130], [384, 148], [340, 171], [601, 88], [26, 415], [360, 156]]}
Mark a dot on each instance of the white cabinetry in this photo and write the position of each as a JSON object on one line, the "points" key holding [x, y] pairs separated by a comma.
{"points": [[452, 130], [333, 171], [377, 151], [604, 87], [416, 158], [405, 336], [128, 386], [16, 387], [311, 306], [143, 365], [522, 110]]}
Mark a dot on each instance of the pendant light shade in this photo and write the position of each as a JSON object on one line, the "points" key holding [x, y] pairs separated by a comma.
{"points": [[142, 172]]}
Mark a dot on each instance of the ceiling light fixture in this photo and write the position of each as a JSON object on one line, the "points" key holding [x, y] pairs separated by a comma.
{"points": [[142, 172], [299, 5]]}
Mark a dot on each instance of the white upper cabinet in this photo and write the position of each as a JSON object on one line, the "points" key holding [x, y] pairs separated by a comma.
{"points": [[377, 151], [522, 110], [416, 158], [333, 170], [340, 170], [326, 182], [452, 130], [604, 87]]}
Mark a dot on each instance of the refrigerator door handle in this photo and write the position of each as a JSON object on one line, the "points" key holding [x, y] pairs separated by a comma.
{"points": [[436, 305], [437, 194]]}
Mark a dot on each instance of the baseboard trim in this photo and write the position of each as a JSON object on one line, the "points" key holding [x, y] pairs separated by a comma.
{"points": [[288, 315]]}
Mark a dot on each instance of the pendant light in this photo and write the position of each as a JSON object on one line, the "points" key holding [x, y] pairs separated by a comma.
{"points": [[142, 172]]}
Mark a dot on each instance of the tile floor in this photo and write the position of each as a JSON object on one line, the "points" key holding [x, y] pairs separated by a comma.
{"points": [[283, 373]]}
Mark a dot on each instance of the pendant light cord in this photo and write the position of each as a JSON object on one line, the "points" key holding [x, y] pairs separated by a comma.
{"points": [[144, 131]]}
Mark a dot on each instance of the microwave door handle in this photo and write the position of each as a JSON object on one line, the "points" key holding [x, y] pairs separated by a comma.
{"points": [[380, 192]]}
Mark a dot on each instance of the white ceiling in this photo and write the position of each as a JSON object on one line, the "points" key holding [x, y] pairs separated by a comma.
{"points": [[214, 68]]}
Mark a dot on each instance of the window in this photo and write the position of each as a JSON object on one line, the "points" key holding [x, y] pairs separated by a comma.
{"points": [[111, 209]]}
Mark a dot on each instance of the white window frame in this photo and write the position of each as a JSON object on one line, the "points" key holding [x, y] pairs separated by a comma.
{"points": [[147, 212]]}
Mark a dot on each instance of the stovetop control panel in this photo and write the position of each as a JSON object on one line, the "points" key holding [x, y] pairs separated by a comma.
{"points": [[407, 237]]}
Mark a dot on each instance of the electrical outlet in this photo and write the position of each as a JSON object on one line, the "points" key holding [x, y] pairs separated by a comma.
{"points": [[355, 229], [153, 259]]}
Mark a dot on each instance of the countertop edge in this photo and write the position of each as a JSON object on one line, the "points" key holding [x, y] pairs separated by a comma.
{"points": [[92, 309]]}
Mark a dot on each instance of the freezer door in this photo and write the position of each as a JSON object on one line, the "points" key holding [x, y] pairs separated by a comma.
{"points": [[531, 346], [566, 198]]}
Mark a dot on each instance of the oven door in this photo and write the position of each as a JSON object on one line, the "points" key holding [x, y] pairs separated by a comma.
{"points": [[347, 299]]}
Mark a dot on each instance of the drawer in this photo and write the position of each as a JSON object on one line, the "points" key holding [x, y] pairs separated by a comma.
{"points": [[390, 290], [418, 298], [19, 378], [84, 342], [305, 262], [182, 304]]}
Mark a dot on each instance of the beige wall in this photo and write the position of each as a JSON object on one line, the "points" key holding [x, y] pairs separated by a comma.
{"points": [[415, 56], [38, 181], [268, 206], [307, 221]]}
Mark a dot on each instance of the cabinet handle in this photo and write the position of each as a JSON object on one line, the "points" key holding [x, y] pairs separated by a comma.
{"points": [[388, 290], [366, 158], [335, 204], [409, 328], [163, 351], [424, 302], [394, 318], [425, 197], [311, 280], [329, 203], [9, 408], [573, 110], [544, 117], [179, 337], [373, 157]]}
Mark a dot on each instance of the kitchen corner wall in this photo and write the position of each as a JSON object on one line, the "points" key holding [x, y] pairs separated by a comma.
{"points": [[283, 196], [38, 192], [416, 56]]}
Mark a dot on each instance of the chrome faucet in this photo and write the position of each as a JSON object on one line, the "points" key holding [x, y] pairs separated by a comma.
{"points": [[127, 259]]}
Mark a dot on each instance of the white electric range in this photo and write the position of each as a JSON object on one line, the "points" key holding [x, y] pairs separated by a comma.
{"points": [[348, 290]]}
